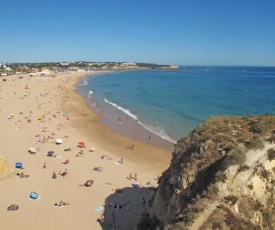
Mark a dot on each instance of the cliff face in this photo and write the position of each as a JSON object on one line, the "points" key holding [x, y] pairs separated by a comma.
{"points": [[222, 176]]}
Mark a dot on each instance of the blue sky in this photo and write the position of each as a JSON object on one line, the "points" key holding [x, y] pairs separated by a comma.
{"points": [[183, 32]]}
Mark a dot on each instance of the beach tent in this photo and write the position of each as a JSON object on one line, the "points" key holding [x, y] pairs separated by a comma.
{"points": [[50, 153], [32, 150], [58, 141], [34, 195], [64, 114], [67, 149], [18, 165], [81, 144], [89, 183]]}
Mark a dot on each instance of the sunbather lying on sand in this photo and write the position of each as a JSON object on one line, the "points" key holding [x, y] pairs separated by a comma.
{"points": [[22, 175], [118, 190], [100, 220], [106, 158], [61, 203], [64, 173], [97, 169], [66, 162]]}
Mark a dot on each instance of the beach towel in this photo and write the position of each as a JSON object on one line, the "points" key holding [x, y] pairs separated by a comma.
{"points": [[99, 208], [151, 187], [135, 185]]}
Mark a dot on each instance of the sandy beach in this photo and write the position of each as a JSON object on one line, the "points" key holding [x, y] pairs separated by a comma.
{"points": [[34, 113]]}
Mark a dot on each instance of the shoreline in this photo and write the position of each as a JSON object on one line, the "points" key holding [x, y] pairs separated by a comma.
{"points": [[44, 101], [119, 141], [128, 127]]}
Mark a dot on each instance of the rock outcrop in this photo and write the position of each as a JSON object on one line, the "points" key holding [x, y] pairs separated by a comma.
{"points": [[222, 176]]}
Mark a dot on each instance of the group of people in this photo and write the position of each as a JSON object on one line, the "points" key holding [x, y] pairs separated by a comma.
{"points": [[61, 203], [97, 169], [13, 207], [131, 146]]}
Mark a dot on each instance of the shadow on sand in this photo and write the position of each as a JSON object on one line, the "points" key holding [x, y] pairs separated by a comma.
{"points": [[123, 209]]}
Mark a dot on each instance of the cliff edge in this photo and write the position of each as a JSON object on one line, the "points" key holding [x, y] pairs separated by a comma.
{"points": [[222, 176]]}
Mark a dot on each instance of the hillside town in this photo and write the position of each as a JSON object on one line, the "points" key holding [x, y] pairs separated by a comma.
{"points": [[79, 66]]}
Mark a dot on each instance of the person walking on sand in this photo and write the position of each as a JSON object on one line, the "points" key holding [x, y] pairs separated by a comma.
{"points": [[44, 166], [113, 216], [143, 202]]}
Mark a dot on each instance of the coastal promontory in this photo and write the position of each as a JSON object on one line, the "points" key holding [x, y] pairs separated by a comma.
{"points": [[222, 176]]}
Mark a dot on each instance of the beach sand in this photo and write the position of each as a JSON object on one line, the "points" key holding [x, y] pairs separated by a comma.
{"points": [[43, 102]]}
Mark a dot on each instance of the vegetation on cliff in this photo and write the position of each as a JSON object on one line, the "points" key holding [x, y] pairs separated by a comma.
{"points": [[222, 176]]}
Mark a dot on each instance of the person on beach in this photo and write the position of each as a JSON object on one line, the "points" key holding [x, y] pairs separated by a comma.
{"points": [[54, 175], [135, 178], [101, 219], [121, 160], [113, 216], [44, 166], [143, 202]]}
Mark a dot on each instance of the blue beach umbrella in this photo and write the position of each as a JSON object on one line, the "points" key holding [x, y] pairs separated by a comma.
{"points": [[33, 195], [18, 165], [50, 153]]}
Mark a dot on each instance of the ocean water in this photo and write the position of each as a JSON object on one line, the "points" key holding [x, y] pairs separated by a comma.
{"points": [[170, 103]]}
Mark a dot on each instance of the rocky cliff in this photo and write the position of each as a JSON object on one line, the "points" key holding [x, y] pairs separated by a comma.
{"points": [[222, 176]]}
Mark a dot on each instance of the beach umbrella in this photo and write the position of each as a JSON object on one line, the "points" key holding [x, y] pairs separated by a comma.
{"points": [[50, 153], [32, 150], [34, 195], [39, 118], [18, 165], [81, 144], [89, 183], [58, 141]]}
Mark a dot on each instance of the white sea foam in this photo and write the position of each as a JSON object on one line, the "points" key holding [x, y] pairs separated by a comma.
{"points": [[122, 109], [91, 92], [158, 130]]}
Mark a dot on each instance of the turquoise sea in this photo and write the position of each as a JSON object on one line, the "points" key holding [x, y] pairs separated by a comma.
{"points": [[170, 103]]}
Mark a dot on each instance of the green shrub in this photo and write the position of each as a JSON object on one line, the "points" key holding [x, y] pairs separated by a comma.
{"points": [[236, 157], [255, 142], [271, 154], [221, 176]]}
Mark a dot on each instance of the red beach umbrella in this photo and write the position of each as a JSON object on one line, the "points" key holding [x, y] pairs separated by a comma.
{"points": [[81, 144]]}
